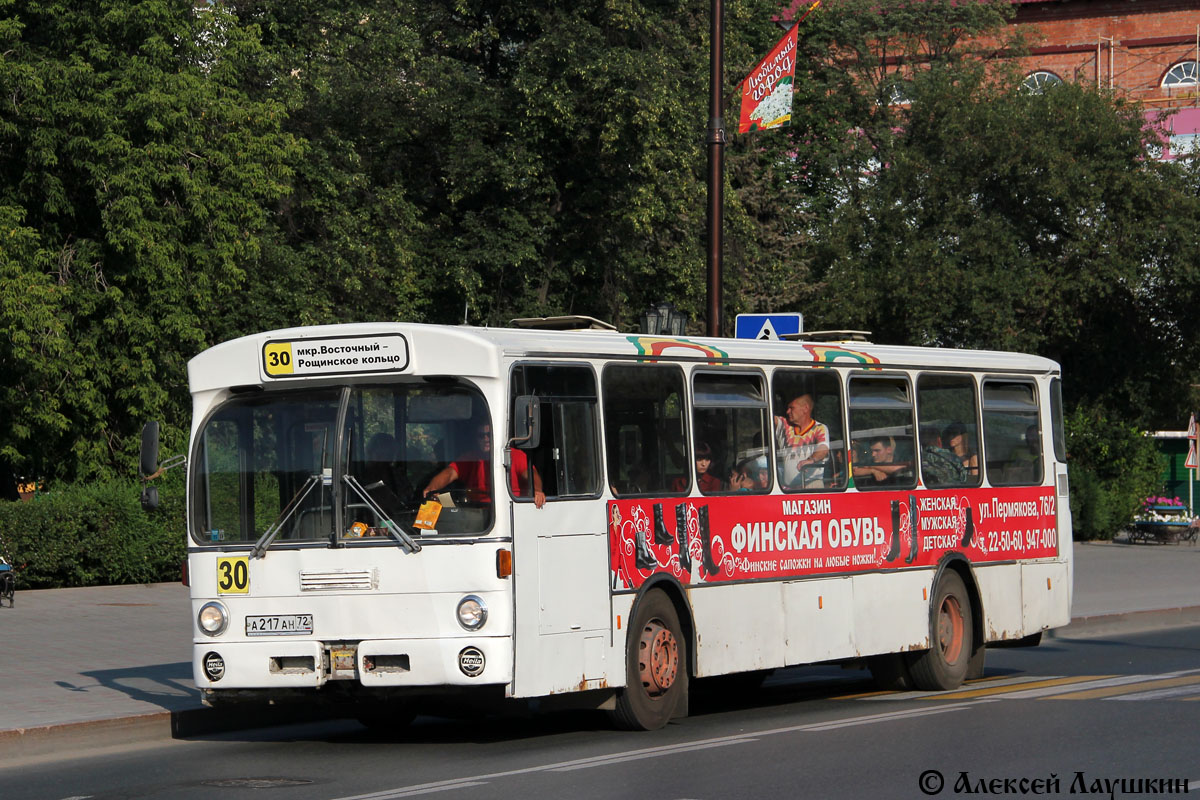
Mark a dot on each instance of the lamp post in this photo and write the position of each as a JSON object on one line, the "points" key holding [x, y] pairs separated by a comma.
{"points": [[716, 163], [663, 319]]}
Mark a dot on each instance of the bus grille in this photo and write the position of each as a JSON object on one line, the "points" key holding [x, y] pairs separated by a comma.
{"points": [[340, 580]]}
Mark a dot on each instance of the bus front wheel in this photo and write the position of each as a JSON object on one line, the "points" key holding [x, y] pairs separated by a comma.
{"points": [[656, 667], [944, 665]]}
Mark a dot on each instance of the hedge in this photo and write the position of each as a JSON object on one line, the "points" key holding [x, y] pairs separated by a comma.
{"points": [[95, 534]]}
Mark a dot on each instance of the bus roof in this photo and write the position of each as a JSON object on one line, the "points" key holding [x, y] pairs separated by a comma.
{"points": [[335, 352]]}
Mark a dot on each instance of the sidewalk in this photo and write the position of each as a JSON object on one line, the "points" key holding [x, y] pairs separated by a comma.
{"points": [[124, 652]]}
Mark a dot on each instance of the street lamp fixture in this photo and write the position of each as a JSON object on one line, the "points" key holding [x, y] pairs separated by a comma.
{"points": [[663, 320]]}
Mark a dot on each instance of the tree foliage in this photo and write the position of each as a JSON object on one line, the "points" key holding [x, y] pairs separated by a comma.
{"points": [[134, 178], [171, 177]]}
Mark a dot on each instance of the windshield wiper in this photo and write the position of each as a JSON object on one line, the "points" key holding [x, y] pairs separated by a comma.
{"points": [[264, 541], [395, 530]]}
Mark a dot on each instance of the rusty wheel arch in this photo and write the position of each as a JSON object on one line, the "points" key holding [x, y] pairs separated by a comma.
{"points": [[960, 564], [676, 593]]}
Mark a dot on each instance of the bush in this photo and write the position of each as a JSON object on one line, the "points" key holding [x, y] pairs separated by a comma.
{"points": [[95, 534], [1112, 468]]}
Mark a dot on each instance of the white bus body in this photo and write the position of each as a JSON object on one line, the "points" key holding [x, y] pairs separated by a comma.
{"points": [[309, 604]]}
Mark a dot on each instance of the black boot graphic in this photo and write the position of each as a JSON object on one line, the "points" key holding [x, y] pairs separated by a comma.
{"points": [[710, 567], [642, 555], [661, 534], [969, 530], [681, 536], [894, 551], [913, 519]]}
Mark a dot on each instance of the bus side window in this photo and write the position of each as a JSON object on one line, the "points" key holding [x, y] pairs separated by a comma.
{"points": [[807, 428], [1012, 437], [567, 458], [946, 408], [644, 404], [881, 428], [730, 429]]}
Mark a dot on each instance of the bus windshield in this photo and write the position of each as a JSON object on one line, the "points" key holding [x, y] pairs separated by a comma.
{"points": [[301, 461]]}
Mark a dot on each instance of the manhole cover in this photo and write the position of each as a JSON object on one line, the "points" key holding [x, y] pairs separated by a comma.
{"points": [[256, 783]]}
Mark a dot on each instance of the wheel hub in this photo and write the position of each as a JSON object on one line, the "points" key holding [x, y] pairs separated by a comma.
{"points": [[950, 629], [658, 658]]}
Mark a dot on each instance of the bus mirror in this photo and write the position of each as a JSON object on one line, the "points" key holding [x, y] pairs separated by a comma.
{"points": [[527, 431], [150, 450], [150, 498]]}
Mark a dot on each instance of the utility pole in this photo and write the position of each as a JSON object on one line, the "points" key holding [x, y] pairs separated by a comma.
{"points": [[716, 164]]}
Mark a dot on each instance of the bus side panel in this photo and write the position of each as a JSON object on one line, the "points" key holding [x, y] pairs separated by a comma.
{"points": [[1066, 535], [820, 619], [738, 627], [1002, 615], [1045, 596], [891, 611], [562, 633]]}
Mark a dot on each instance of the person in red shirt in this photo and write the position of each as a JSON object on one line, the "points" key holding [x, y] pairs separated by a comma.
{"points": [[472, 471], [522, 473], [707, 482]]}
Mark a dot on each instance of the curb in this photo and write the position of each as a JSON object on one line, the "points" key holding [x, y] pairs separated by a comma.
{"points": [[19, 744], [1128, 622]]}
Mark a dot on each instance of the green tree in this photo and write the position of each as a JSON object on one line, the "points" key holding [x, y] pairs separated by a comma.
{"points": [[978, 214], [133, 180]]}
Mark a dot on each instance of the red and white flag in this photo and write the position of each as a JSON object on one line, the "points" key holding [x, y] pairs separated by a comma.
{"points": [[767, 90]]}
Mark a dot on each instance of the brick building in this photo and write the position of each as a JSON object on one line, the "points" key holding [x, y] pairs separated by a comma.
{"points": [[1148, 50]]}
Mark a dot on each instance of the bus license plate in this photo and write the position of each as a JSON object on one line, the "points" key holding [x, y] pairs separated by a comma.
{"points": [[280, 625]]}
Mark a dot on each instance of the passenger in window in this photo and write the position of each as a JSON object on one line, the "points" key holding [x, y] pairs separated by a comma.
{"points": [[740, 479], [707, 482], [471, 469], [883, 470], [801, 445], [939, 466], [1022, 466], [955, 439], [523, 473]]}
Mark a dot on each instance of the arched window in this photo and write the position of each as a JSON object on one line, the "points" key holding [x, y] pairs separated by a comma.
{"points": [[1038, 82], [1185, 73]]}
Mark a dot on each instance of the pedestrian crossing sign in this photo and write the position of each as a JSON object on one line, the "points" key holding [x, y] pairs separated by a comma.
{"points": [[767, 326]]}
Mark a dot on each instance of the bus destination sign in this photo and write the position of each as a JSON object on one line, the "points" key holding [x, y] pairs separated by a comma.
{"points": [[343, 355]]}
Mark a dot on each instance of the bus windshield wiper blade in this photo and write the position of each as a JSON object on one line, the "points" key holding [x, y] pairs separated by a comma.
{"points": [[395, 530], [264, 541]]}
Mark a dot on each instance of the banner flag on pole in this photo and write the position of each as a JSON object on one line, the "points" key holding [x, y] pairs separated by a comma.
{"points": [[767, 90], [1192, 427]]}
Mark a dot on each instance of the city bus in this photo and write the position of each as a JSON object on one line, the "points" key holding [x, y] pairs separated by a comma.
{"points": [[382, 513]]}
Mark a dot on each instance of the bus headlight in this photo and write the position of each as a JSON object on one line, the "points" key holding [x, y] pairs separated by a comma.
{"points": [[213, 619], [472, 612]]}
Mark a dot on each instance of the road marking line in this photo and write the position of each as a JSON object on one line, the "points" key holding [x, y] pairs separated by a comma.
{"points": [[605, 761], [996, 686], [648, 752], [1007, 689], [1139, 691], [1101, 689]]}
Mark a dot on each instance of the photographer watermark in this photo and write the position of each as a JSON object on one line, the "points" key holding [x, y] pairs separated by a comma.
{"points": [[932, 782]]}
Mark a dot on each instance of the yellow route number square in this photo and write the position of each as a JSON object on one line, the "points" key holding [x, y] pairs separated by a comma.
{"points": [[277, 358], [233, 575]]}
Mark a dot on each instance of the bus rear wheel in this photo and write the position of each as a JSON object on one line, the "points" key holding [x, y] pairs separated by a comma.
{"points": [[656, 667], [944, 665]]}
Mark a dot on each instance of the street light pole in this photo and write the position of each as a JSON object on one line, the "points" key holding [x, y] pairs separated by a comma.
{"points": [[716, 164]]}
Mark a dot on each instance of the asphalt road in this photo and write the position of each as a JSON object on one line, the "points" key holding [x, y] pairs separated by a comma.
{"points": [[1071, 714]]}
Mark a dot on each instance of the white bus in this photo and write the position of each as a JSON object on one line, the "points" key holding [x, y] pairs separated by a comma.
{"points": [[366, 519]]}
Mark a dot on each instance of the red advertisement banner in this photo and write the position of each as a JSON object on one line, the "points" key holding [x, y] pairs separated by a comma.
{"points": [[746, 537], [767, 90]]}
